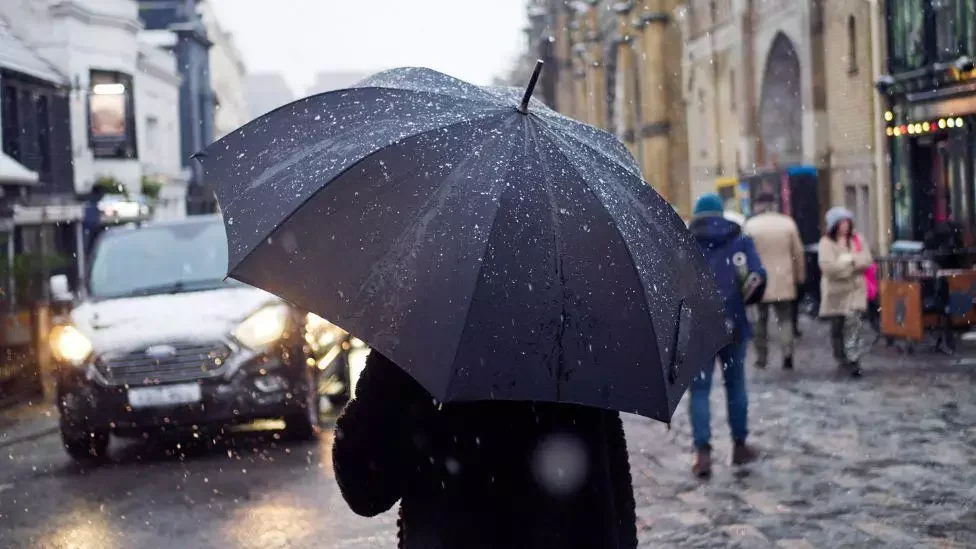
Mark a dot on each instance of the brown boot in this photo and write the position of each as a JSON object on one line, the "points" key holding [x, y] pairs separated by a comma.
{"points": [[701, 464], [742, 454]]}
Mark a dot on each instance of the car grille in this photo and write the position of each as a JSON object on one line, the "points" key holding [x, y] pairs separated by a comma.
{"points": [[177, 362]]}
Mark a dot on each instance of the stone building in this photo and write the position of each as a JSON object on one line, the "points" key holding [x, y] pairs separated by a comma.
{"points": [[617, 65], [773, 86], [853, 120], [754, 86]]}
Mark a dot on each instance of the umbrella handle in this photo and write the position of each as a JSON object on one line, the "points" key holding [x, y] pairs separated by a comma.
{"points": [[524, 106]]}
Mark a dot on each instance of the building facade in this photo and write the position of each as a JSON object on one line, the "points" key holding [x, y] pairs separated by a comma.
{"points": [[228, 75], [853, 124], [191, 46], [613, 65], [930, 93], [121, 90], [266, 91], [755, 88]]}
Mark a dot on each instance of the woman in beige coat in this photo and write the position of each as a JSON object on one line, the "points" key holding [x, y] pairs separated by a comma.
{"points": [[843, 258]]}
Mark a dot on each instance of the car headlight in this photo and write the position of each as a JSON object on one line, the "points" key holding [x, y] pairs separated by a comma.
{"points": [[69, 345], [264, 327]]}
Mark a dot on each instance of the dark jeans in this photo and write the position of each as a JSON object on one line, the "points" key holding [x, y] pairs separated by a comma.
{"points": [[733, 360]]}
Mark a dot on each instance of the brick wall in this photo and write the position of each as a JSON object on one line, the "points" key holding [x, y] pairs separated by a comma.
{"points": [[850, 114]]}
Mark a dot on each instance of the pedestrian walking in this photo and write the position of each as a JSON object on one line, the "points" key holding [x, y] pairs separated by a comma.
{"points": [[844, 259], [777, 241], [733, 260], [483, 474]]}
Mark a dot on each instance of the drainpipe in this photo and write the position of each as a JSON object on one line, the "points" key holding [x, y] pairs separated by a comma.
{"points": [[881, 180]]}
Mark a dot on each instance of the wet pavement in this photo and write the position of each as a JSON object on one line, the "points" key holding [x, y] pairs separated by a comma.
{"points": [[885, 461]]}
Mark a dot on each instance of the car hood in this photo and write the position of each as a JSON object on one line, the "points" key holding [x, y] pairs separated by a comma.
{"points": [[124, 323]]}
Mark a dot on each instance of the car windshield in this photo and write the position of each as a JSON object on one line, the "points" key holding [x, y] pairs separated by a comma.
{"points": [[161, 259]]}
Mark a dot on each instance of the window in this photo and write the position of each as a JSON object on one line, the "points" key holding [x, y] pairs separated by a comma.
{"points": [[906, 30], [111, 115], [43, 135], [947, 38], [11, 120], [152, 134], [732, 97], [851, 45], [703, 124]]}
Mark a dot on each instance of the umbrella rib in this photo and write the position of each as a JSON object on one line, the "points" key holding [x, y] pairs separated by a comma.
{"points": [[546, 177], [481, 267], [631, 169], [315, 193], [633, 260], [586, 183]]}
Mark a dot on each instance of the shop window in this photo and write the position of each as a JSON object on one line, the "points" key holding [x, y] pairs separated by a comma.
{"points": [[111, 115], [906, 30], [946, 36], [851, 45]]}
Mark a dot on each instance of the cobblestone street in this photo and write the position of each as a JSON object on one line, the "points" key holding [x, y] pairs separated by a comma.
{"points": [[884, 461]]}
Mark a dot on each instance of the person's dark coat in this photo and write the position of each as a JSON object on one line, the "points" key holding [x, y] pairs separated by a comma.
{"points": [[945, 241], [483, 475], [720, 240]]}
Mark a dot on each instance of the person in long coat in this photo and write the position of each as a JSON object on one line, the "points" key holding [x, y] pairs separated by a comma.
{"points": [[777, 241], [844, 257], [483, 475]]}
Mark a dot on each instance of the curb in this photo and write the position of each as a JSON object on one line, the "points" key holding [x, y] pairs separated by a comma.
{"points": [[29, 436]]}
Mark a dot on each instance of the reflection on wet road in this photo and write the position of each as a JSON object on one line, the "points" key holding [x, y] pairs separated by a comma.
{"points": [[250, 491]]}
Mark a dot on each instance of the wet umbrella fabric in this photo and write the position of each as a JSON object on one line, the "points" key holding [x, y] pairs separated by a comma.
{"points": [[491, 254]]}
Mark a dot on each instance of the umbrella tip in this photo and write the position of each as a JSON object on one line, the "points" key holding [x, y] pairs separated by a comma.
{"points": [[524, 106], [198, 155]]}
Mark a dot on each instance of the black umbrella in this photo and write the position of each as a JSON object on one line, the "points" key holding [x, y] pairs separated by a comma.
{"points": [[492, 248]]}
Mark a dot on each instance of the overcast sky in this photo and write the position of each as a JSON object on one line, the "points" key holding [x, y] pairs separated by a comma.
{"points": [[473, 40]]}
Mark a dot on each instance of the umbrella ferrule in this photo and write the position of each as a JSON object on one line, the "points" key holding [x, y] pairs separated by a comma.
{"points": [[524, 106]]}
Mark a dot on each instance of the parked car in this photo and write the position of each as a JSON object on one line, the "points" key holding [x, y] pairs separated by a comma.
{"points": [[159, 341]]}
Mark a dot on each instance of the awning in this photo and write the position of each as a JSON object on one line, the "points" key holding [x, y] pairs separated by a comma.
{"points": [[17, 56], [14, 173], [48, 215]]}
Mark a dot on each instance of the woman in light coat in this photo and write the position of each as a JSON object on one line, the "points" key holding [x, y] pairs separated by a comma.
{"points": [[844, 258]]}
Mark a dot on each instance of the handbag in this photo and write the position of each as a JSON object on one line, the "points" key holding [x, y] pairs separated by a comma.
{"points": [[870, 275]]}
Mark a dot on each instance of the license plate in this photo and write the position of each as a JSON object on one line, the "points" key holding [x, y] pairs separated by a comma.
{"points": [[164, 395]]}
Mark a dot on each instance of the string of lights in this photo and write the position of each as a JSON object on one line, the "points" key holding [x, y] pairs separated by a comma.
{"points": [[923, 127]]}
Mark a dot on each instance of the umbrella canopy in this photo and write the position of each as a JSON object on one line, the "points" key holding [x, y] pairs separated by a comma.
{"points": [[493, 251]]}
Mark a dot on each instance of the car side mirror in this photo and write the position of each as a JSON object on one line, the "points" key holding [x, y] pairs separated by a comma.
{"points": [[60, 290]]}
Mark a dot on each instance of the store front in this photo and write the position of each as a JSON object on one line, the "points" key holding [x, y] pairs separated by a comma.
{"points": [[932, 160], [930, 90]]}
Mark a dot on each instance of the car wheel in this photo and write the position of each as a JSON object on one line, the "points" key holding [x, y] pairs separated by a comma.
{"points": [[85, 445], [304, 425]]}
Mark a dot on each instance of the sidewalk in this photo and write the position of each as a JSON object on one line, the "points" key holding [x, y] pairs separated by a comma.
{"points": [[885, 461], [28, 421]]}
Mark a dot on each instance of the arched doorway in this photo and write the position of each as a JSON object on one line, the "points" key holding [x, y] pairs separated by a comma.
{"points": [[780, 105]]}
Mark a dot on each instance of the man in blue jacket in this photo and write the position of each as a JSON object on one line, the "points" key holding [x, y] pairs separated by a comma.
{"points": [[740, 278]]}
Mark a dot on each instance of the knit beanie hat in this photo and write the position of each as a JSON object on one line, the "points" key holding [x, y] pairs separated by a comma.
{"points": [[708, 204], [837, 214]]}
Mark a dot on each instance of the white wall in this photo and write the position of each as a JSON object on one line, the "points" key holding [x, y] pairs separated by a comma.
{"points": [[77, 36]]}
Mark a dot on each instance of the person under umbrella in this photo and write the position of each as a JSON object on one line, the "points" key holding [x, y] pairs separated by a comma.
{"points": [[740, 276], [483, 474], [518, 282]]}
